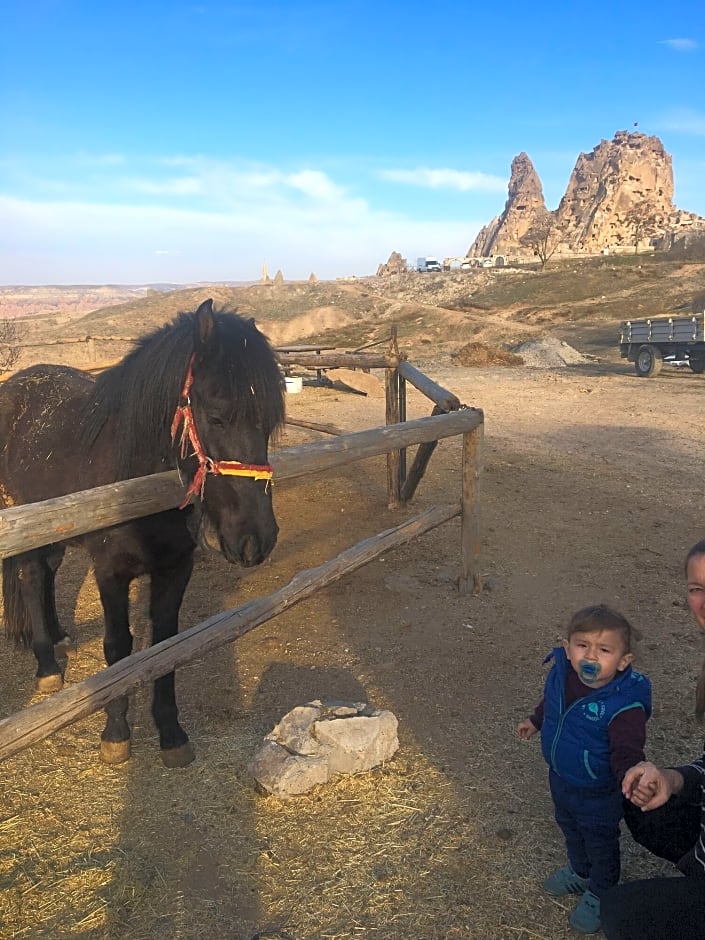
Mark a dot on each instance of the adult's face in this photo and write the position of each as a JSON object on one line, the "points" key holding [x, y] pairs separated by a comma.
{"points": [[696, 588]]}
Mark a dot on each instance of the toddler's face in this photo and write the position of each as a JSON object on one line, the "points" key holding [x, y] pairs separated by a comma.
{"points": [[597, 657]]}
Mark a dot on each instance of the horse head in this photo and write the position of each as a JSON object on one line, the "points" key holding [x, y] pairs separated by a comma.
{"points": [[232, 404]]}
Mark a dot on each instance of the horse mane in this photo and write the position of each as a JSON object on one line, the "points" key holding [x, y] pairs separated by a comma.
{"points": [[140, 394]]}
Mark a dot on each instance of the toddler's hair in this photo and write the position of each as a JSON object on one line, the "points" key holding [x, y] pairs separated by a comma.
{"points": [[601, 617], [698, 549]]}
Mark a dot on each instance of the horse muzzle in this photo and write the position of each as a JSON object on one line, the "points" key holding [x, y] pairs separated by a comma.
{"points": [[248, 550]]}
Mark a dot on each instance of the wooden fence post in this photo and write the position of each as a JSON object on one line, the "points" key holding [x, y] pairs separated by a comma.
{"points": [[402, 418], [393, 416], [470, 580]]}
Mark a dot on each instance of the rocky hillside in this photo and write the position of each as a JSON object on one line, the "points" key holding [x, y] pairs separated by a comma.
{"points": [[581, 302], [620, 195]]}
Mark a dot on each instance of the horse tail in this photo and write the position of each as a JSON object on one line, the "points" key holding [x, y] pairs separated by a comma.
{"points": [[18, 626]]}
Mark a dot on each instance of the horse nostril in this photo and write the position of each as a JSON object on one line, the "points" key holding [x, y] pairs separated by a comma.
{"points": [[249, 552]]}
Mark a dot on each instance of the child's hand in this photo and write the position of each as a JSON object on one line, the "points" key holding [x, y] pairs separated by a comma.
{"points": [[649, 787], [526, 729]]}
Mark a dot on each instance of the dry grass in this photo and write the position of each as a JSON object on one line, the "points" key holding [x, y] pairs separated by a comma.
{"points": [[480, 354], [138, 851], [88, 852]]}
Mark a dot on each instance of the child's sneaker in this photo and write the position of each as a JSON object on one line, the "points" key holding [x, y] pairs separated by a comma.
{"points": [[586, 916], [565, 881]]}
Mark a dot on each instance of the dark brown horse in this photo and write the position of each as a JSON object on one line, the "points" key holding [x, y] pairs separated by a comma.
{"points": [[203, 394]]}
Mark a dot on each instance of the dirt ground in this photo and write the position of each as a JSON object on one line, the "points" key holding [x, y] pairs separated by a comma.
{"points": [[592, 491]]}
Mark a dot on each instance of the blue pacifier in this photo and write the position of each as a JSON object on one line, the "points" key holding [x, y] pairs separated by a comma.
{"points": [[588, 672]]}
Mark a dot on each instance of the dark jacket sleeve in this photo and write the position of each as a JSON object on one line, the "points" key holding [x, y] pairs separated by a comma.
{"points": [[627, 734], [536, 717], [693, 780]]}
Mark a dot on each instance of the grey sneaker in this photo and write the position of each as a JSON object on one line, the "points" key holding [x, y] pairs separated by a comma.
{"points": [[586, 916], [565, 881]]}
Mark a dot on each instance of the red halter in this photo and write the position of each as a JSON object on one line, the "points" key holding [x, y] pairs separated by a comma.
{"points": [[189, 434]]}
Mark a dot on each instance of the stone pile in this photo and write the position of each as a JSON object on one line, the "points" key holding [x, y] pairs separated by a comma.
{"points": [[315, 741]]}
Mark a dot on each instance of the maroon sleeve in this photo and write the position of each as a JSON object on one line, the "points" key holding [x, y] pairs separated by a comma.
{"points": [[536, 717], [627, 734]]}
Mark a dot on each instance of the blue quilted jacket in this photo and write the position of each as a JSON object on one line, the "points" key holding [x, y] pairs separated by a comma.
{"points": [[575, 738]]}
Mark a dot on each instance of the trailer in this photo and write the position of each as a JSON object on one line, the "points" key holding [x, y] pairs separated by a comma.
{"points": [[649, 343]]}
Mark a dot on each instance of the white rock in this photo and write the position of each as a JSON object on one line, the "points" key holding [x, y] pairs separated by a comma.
{"points": [[314, 741]]}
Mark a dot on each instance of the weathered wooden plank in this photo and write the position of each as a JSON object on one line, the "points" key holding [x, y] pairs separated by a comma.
{"points": [[336, 360], [37, 722], [440, 396], [64, 517], [54, 520], [315, 426], [470, 519], [418, 467], [324, 455], [393, 417]]}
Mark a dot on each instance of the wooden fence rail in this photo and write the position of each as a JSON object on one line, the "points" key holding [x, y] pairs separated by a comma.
{"points": [[53, 520], [37, 722], [30, 526]]}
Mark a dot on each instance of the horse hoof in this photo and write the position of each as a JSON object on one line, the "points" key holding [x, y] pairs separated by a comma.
{"points": [[114, 752], [178, 756], [67, 646], [51, 683]]}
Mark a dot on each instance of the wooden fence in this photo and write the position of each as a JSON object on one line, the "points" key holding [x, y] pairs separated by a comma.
{"points": [[30, 526]]}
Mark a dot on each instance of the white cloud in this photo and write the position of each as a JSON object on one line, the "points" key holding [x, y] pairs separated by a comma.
{"points": [[680, 45], [78, 242], [191, 218], [315, 184], [178, 186], [445, 179]]}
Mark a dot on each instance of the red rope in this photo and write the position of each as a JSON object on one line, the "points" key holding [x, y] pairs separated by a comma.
{"points": [[189, 435]]}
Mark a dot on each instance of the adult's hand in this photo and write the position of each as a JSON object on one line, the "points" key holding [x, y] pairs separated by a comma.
{"points": [[649, 787]]}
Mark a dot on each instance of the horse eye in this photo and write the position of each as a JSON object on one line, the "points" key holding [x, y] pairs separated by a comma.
{"points": [[216, 421]]}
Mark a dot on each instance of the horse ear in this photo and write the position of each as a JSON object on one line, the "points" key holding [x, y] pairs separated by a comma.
{"points": [[205, 322]]}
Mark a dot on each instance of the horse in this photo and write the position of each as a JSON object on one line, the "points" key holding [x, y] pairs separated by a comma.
{"points": [[203, 394]]}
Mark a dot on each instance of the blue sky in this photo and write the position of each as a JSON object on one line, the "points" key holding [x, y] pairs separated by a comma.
{"points": [[144, 142]]}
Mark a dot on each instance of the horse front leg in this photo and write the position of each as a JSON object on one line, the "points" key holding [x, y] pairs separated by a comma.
{"points": [[117, 644], [166, 593]]}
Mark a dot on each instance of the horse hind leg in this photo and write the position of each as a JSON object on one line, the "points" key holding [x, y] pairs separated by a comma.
{"points": [[26, 622], [52, 561]]}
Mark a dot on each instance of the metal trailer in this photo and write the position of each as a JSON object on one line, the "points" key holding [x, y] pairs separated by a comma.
{"points": [[650, 343]]}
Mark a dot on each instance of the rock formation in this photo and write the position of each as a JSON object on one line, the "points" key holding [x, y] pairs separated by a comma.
{"points": [[524, 203], [395, 265], [619, 198]]}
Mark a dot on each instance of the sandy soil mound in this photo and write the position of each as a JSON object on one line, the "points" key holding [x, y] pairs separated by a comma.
{"points": [[548, 353], [299, 328], [480, 354]]}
